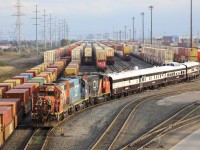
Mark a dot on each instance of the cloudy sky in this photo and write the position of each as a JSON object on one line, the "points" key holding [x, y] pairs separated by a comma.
{"points": [[170, 17]]}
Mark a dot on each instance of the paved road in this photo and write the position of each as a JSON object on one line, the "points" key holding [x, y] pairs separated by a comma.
{"points": [[192, 142]]}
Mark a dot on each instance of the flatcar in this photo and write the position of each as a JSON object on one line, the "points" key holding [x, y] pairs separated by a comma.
{"points": [[55, 101]]}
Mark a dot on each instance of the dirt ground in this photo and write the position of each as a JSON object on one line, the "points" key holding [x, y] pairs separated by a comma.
{"points": [[14, 63]]}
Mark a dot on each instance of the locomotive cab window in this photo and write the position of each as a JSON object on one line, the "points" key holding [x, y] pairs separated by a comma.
{"points": [[50, 93]]}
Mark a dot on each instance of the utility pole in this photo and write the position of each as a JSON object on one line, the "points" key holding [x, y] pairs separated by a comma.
{"points": [[133, 28], [45, 44], [59, 32], [130, 34], [64, 30], [56, 41], [125, 33], [67, 30], [120, 35], [151, 8], [50, 29], [36, 27], [19, 24], [191, 26], [142, 26]]}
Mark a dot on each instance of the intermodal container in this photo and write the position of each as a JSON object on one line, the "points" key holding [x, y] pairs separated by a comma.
{"points": [[34, 72], [6, 85], [36, 84], [5, 116], [52, 74], [46, 76], [2, 91], [30, 87], [40, 80], [18, 81], [28, 75], [8, 129], [23, 94], [22, 78], [15, 104], [13, 83]]}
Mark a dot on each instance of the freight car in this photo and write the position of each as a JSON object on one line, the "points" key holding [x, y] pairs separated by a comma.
{"points": [[88, 55], [100, 57], [123, 51], [77, 54], [55, 101], [110, 52]]}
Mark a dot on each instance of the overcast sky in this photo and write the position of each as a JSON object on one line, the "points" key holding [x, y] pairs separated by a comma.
{"points": [[170, 17]]}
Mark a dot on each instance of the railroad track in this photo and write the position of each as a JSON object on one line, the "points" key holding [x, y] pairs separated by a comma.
{"points": [[87, 69], [178, 120], [111, 135], [37, 139], [113, 68], [77, 113]]}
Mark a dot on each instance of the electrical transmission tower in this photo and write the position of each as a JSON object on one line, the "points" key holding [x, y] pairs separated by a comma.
{"points": [[67, 31], [45, 44], [36, 26], [19, 24]]}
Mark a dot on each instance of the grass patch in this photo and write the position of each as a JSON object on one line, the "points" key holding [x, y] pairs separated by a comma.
{"points": [[25, 55], [4, 63]]}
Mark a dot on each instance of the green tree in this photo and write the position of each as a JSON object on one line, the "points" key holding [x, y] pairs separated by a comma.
{"points": [[64, 42]]}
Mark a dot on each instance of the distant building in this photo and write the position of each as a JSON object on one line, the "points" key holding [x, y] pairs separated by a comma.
{"points": [[9, 46]]}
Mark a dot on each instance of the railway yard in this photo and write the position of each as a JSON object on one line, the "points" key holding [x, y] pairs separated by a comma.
{"points": [[151, 109], [102, 95]]}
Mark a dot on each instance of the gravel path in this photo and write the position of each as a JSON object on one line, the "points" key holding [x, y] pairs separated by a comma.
{"points": [[82, 130]]}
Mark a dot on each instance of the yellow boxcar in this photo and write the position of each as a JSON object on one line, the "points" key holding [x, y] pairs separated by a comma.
{"points": [[193, 52], [127, 50], [71, 71], [193, 58]]}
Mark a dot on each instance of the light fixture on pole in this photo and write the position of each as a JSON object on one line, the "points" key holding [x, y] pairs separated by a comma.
{"points": [[133, 28], [151, 8], [142, 26]]}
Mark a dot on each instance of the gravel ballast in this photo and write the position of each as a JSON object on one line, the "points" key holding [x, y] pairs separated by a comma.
{"points": [[82, 130]]}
